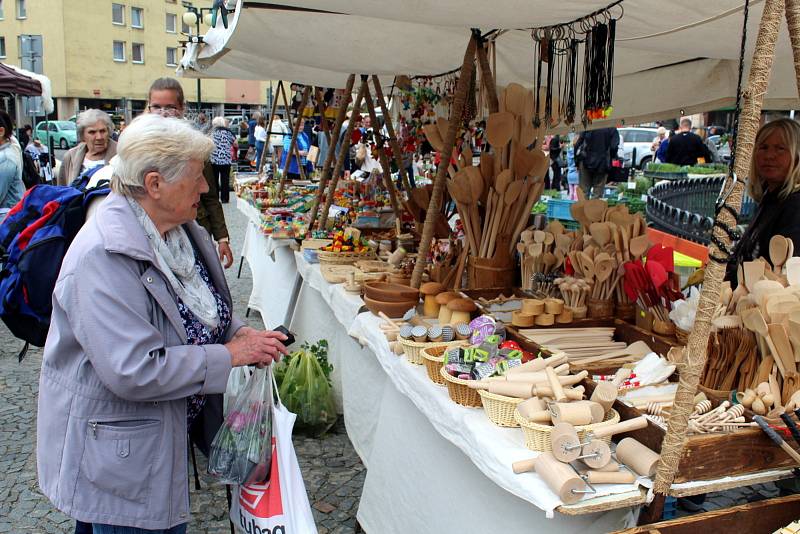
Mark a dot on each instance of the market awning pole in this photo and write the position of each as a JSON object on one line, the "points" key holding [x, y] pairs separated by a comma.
{"points": [[487, 79], [379, 142], [293, 143], [260, 162], [393, 142], [343, 152], [793, 21], [435, 204], [329, 157], [696, 349]]}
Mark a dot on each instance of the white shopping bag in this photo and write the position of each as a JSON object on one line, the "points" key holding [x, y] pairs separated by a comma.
{"points": [[281, 505]]}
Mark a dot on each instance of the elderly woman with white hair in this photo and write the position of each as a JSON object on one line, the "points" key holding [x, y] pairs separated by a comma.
{"points": [[95, 146], [222, 157], [142, 329]]}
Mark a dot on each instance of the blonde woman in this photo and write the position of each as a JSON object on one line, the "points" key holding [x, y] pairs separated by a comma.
{"points": [[774, 183]]}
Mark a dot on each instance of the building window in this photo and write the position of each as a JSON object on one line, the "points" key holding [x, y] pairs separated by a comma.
{"points": [[184, 27], [22, 9], [2, 47], [2, 11], [172, 22], [118, 14], [119, 50], [137, 53], [137, 17], [172, 57]]}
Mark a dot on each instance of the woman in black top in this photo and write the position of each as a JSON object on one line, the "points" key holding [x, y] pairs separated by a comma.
{"points": [[774, 184]]}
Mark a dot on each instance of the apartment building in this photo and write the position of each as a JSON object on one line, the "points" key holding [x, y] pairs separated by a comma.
{"points": [[105, 53]]}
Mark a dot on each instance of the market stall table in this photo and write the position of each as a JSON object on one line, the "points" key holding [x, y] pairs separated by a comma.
{"points": [[275, 278]]}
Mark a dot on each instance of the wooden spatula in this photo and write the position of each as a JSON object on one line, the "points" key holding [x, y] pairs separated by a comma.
{"points": [[754, 321], [784, 347], [778, 251]]}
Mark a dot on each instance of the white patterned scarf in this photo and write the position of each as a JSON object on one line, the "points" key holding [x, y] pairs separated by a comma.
{"points": [[175, 257]]}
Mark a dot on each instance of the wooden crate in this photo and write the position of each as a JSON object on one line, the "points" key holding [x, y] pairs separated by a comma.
{"points": [[710, 456], [761, 517]]}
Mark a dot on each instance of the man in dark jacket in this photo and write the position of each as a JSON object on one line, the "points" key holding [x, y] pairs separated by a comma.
{"points": [[686, 147], [555, 163], [593, 153]]}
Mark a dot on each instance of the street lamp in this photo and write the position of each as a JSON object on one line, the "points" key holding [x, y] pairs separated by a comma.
{"points": [[194, 16]]}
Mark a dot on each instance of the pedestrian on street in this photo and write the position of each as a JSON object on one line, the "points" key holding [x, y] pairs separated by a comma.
{"points": [[11, 185], [115, 403], [222, 156], [713, 153], [260, 135], [593, 153], [96, 148], [555, 162], [661, 136], [301, 145], [279, 132], [573, 178], [685, 147], [166, 99], [202, 123]]}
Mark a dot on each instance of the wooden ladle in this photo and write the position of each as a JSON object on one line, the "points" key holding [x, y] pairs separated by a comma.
{"points": [[778, 252]]}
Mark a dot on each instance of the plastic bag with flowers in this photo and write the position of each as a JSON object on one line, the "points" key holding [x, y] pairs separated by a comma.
{"points": [[241, 451]]}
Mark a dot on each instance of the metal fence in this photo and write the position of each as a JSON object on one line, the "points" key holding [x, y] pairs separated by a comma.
{"points": [[686, 208]]}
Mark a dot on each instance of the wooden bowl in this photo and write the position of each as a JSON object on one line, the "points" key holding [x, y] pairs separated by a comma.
{"points": [[393, 310], [399, 279], [387, 292]]}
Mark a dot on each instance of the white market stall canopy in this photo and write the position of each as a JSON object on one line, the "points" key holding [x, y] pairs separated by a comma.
{"points": [[671, 57]]}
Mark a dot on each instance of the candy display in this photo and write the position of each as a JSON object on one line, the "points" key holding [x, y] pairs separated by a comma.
{"points": [[490, 358]]}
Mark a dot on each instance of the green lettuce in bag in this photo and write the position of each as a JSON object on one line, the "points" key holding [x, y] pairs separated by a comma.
{"points": [[305, 388]]}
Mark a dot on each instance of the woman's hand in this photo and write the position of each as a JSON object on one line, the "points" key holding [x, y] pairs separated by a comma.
{"points": [[250, 346]]}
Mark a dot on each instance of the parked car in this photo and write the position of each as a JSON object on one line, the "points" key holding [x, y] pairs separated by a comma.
{"points": [[638, 142], [723, 147], [64, 133]]}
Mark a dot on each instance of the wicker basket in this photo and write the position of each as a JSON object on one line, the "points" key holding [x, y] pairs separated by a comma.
{"points": [[433, 357], [500, 408], [460, 392], [343, 258], [413, 349], [537, 437]]}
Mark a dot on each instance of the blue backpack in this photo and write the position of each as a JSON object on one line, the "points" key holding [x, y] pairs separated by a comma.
{"points": [[34, 237]]}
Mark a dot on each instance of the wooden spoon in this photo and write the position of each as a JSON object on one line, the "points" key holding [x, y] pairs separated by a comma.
{"points": [[778, 251], [577, 211], [794, 337], [515, 99], [601, 233], [499, 128], [639, 245], [785, 352], [753, 272], [793, 271], [434, 138], [754, 321], [595, 209]]}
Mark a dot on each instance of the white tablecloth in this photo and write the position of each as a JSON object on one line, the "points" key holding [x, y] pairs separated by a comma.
{"points": [[274, 271], [431, 464]]}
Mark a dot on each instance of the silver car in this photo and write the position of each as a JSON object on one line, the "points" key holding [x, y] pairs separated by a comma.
{"points": [[638, 142]]}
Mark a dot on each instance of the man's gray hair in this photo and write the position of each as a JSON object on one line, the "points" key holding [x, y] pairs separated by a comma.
{"points": [[90, 117], [152, 143], [686, 122]]}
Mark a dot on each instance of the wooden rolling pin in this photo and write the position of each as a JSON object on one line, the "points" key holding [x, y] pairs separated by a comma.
{"points": [[610, 477], [540, 378], [539, 364], [555, 385], [638, 457], [525, 390], [560, 478]]}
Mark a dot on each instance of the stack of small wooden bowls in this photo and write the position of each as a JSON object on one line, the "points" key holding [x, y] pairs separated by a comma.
{"points": [[536, 312]]}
